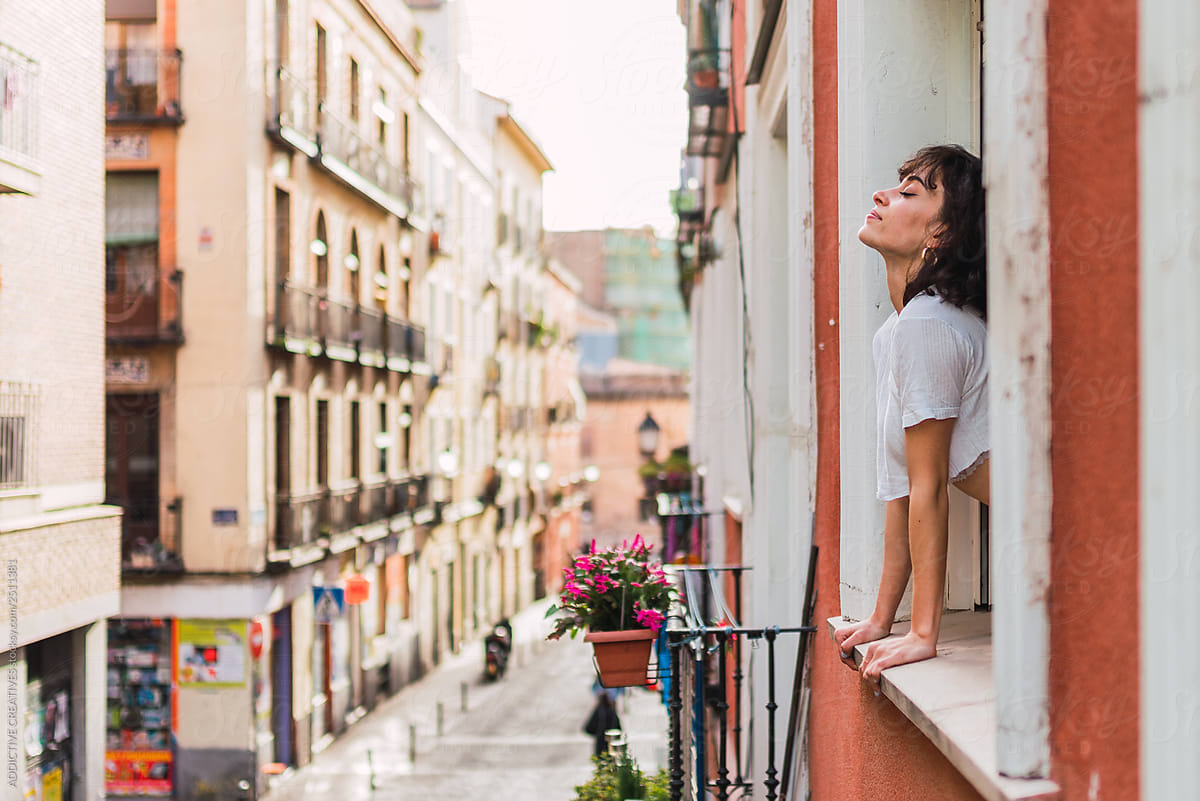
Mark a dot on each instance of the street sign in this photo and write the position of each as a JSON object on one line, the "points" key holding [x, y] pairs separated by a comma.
{"points": [[328, 603]]}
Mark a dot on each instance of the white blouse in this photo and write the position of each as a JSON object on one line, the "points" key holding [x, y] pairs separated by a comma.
{"points": [[930, 364]]}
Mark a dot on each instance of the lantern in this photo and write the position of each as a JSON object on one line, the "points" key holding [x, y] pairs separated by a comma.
{"points": [[358, 589]]}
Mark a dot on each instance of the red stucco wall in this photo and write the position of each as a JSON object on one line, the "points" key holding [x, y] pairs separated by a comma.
{"points": [[1094, 339]]}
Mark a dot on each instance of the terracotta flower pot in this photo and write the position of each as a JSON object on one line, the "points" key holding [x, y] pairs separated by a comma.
{"points": [[622, 656]]}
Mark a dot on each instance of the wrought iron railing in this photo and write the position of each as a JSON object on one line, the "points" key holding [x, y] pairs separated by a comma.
{"points": [[377, 504], [416, 343], [291, 104], [347, 508], [301, 518], [153, 313], [337, 320], [344, 140], [371, 331], [18, 434], [296, 314], [143, 85], [709, 697], [399, 497], [154, 553], [397, 337], [19, 80]]}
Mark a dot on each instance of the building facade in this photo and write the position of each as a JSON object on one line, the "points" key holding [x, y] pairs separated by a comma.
{"points": [[1089, 350], [59, 541]]}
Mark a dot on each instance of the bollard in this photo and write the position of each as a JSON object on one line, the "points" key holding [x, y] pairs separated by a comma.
{"points": [[439, 719], [464, 696], [412, 743]]}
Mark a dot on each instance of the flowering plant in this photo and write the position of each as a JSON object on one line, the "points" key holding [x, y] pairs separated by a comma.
{"points": [[613, 590]]}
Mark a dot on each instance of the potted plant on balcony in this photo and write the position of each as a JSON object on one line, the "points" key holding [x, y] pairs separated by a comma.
{"points": [[621, 598], [649, 474], [678, 472]]}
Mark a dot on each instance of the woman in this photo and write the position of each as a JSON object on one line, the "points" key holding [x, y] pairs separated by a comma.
{"points": [[931, 388]]}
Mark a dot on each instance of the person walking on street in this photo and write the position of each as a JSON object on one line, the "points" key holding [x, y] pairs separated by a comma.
{"points": [[603, 717]]}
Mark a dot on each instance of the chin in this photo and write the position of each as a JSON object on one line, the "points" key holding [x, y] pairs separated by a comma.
{"points": [[864, 236]]}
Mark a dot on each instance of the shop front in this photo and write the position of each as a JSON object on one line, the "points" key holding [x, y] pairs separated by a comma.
{"points": [[139, 748], [48, 731]]}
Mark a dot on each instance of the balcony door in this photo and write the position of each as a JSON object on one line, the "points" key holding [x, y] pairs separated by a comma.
{"points": [[131, 45], [131, 468], [131, 253]]}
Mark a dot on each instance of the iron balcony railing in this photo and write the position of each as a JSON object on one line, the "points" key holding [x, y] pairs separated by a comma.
{"points": [[146, 314], [347, 509], [296, 313], [291, 105], [337, 320], [18, 434], [370, 325], [397, 338], [19, 81], [301, 518], [143, 547], [377, 506], [399, 497], [710, 703], [416, 343], [143, 85], [344, 140]]}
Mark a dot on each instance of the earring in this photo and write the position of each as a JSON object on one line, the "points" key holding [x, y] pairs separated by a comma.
{"points": [[924, 254]]}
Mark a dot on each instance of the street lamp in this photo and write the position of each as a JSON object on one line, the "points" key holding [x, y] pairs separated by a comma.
{"points": [[591, 474], [516, 468], [541, 471], [448, 463], [648, 437]]}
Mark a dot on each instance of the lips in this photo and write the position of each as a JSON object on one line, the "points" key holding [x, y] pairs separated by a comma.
{"points": [[874, 215]]}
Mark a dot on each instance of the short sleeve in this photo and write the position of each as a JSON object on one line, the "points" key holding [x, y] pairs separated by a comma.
{"points": [[929, 365]]}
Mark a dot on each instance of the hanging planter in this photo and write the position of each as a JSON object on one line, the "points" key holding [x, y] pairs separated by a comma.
{"points": [[620, 599], [622, 657]]}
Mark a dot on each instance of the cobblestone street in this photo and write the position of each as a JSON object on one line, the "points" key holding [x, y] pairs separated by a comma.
{"points": [[520, 738]]}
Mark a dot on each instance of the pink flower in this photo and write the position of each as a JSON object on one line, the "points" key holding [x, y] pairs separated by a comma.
{"points": [[651, 619]]}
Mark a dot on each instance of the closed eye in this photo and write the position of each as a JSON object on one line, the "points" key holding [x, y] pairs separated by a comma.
{"points": [[908, 194]]}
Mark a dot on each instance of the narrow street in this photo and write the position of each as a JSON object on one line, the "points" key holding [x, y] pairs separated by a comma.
{"points": [[520, 738]]}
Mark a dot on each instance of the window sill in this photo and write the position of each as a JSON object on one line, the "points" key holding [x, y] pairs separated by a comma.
{"points": [[951, 700]]}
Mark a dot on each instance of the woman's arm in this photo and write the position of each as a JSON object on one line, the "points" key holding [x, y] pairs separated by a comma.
{"points": [[896, 568], [927, 454]]}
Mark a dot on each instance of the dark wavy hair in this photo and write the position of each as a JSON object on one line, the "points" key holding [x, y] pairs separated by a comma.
{"points": [[955, 267]]}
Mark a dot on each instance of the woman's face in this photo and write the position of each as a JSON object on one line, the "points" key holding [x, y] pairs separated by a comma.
{"points": [[903, 220]]}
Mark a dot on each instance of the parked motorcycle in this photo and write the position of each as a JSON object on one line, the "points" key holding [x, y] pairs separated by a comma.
{"points": [[497, 646]]}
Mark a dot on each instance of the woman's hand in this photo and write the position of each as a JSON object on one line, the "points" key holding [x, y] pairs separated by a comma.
{"points": [[896, 651], [867, 630]]}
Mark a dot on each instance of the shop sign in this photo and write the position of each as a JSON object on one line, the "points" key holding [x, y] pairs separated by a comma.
{"points": [[328, 604], [212, 653], [137, 772]]}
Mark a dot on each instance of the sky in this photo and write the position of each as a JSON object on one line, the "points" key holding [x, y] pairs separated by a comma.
{"points": [[599, 85]]}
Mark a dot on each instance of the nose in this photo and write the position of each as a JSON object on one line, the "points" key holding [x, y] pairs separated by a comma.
{"points": [[879, 198]]}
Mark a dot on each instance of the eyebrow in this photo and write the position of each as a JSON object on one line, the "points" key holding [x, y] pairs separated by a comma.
{"points": [[916, 178]]}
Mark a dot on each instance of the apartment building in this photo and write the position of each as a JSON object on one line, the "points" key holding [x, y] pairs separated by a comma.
{"points": [[265, 425], [563, 478], [523, 297], [797, 115], [59, 541]]}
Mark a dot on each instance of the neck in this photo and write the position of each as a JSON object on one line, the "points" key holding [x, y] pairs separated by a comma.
{"points": [[898, 271]]}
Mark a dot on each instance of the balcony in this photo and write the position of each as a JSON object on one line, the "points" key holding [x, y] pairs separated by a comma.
{"points": [[378, 502], [339, 334], [419, 499], [399, 497], [296, 325], [708, 85], [397, 344], [363, 164], [371, 336], [142, 86], [688, 203], [144, 550], [19, 76], [144, 312], [416, 350], [347, 508], [291, 110], [300, 519]]}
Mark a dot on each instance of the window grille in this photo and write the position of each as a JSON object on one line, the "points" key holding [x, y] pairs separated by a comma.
{"points": [[18, 410]]}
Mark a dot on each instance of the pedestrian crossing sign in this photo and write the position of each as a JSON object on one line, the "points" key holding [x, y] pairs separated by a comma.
{"points": [[328, 603]]}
